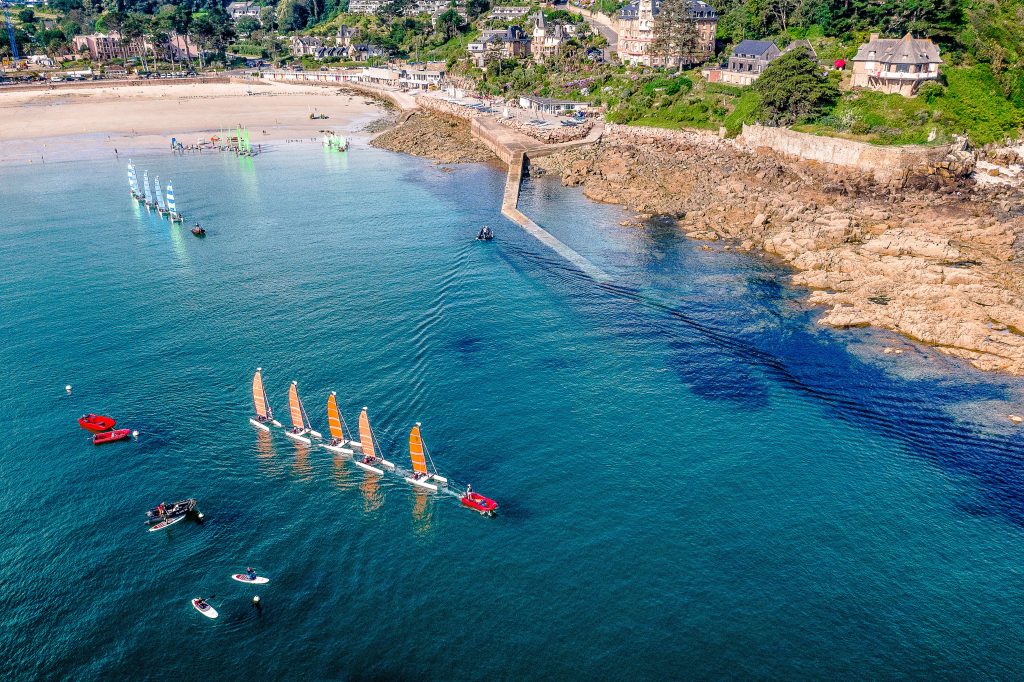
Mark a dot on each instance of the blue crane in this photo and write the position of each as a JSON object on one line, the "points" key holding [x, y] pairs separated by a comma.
{"points": [[10, 33]]}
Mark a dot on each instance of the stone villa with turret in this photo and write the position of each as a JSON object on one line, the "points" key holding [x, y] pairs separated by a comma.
{"points": [[636, 32]]}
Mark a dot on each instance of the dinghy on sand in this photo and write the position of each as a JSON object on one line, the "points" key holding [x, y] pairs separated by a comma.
{"points": [[341, 435], [370, 460], [422, 473], [264, 418]]}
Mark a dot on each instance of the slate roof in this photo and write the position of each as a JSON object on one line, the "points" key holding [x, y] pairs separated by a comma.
{"points": [[905, 50], [752, 48], [698, 10]]}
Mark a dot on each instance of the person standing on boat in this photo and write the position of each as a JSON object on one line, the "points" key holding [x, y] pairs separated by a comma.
{"points": [[469, 490]]}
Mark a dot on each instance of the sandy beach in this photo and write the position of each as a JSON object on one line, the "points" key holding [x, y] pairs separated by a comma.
{"points": [[63, 123]]}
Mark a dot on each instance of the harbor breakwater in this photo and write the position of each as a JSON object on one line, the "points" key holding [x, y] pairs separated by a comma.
{"points": [[915, 247]]}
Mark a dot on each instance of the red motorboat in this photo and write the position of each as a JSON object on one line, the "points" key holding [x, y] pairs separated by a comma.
{"points": [[478, 502], [96, 422], [111, 436]]}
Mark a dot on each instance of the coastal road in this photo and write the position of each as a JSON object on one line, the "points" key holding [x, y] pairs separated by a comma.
{"points": [[600, 23]]}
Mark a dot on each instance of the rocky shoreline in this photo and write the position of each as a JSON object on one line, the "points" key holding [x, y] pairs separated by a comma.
{"points": [[443, 139], [937, 257]]}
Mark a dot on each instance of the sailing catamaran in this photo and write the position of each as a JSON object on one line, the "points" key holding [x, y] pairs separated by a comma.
{"points": [[300, 422], [161, 207], [339, 428], [133, 181], [150, 197], [422, 473], [264, 415], [370, 448], [172, 208]]}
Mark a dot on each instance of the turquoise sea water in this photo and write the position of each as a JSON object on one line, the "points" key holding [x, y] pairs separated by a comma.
{"points": [[695, 481]]}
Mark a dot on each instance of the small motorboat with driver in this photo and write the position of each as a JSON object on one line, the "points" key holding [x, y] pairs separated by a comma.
{"points": [[162, 511], [164, 515], [111, 436], [199, 230], [96, 422], [478, 502], [485, 234]]}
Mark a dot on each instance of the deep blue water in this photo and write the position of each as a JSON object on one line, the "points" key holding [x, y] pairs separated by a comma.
{"points": [[696, 481]]}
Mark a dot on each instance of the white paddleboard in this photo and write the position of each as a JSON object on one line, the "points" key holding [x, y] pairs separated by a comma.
{"points": [[209, 611], [258, 580], [169, 522]]}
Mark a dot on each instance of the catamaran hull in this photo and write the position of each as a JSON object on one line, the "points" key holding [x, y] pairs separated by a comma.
{"points": [[367, 467], [299, 437], [422, 482], [259, 424], [340, 449]]}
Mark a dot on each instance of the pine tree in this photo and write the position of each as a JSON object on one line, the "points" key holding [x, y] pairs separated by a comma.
{"points": [[675, 34]]}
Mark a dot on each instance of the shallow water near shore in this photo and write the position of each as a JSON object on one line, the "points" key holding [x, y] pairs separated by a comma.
{"points": [[695, 480]]}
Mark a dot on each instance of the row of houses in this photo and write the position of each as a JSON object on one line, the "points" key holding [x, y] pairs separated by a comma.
{"points": [[109, 46], [545, 39], [416, 76], [890, 65]]}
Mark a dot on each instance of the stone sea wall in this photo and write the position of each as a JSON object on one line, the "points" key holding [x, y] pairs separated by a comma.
{"points": [[884, 164], [944, 267]]}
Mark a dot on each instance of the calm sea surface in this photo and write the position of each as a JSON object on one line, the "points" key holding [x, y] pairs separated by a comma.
{"points": [[695, 480]]}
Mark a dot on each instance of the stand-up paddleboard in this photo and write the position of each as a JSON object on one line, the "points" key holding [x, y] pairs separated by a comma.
{"points": [[243, 578], [209, 611], [169, 522]]}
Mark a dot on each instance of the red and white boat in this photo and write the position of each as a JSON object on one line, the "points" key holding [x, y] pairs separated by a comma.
{"points": [[96, 422], [111, 436], [264, 418], [478, 502]]}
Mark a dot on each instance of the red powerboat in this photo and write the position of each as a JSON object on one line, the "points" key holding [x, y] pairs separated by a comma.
{"points": [[96, 422], [111, 436], [478, 502]]}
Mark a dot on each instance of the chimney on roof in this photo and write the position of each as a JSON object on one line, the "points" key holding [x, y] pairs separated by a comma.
{"points": [[873, 38]]}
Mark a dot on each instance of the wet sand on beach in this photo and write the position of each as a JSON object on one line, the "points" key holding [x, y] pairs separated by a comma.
{"points": [[64, 124]]}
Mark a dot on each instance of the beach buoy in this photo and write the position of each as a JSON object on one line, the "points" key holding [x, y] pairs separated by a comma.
{"points": [[200, 516], [68, 389], [256, 600], [135, 434], [1016, 418]]}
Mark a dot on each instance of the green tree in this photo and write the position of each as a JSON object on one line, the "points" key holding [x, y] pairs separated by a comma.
{"points": [[246, 25], [292, 15], [26, 16], [794, 88], [675, 34], [448, 25]]}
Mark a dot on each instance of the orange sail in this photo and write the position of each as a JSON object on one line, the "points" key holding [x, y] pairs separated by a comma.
{"points": [[334, 418], [419, 462], [365, 434], [295, 406], [259, 396]]}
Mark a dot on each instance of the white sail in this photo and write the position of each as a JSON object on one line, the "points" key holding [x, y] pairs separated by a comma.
{"points": [[145, 186], [133, 183], [159, 195], [171, 206], [149, 191]]}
